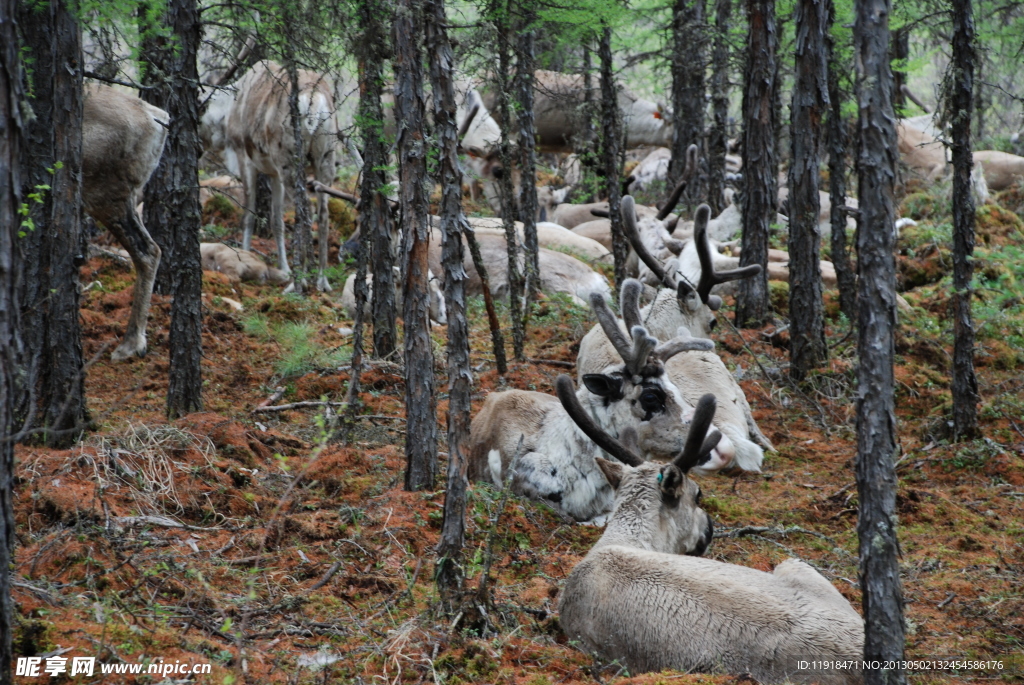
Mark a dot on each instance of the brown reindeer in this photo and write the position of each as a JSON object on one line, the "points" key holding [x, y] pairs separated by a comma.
{"points": [[122, 140]]}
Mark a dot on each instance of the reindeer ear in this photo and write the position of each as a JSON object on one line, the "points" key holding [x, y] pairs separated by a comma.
{"points": [[674, 246], [669, 479], [612, 470], [604, 386]]}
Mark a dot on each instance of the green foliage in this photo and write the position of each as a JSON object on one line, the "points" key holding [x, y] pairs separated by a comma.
{"points": [[301, 352]]}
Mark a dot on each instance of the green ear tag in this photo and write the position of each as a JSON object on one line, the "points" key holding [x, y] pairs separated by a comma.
{"points": [[661, 476]]}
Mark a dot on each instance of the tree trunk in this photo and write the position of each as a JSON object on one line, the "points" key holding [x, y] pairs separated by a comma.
{"points": [[527, 162], [810, 98], [688, 97], [759, 177], [11, 131], [847, 281], [900, 52], [979, 94], [876, 420], [376, 224], [52, 391], [184, 392], [450, 575], [302, 236], [718, 141], [959, 91], [156, 57], [421, 422], [263, 193], [611, 130], [587, 150], [497, 339], [516, 283]]}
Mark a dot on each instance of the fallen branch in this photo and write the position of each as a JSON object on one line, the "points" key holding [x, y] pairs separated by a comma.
{"points": [[949, 598], [297, 405], [553, 362], [161, 521], [278, 394], [318, 187], [326, 578]]}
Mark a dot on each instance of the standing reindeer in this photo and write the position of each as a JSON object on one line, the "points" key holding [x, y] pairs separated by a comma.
{"points": [[259, 132], [122, 141], [636, 599], [553, 460]]}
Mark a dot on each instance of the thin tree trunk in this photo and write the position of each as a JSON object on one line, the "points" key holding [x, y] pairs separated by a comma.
{"points": [[497, 339], [377, 227], [611, 129], [52, 389], [759, 176], [847, 280], [876, 420], [184, 392], [410, 113], [156, 57], [302, 236], [450, 574], [718, 140], [527, 162], [959, 90], [11, 132], [900, 51], [688, 89], [506, 188], [979, 93], [588, 150], [810, 98], [263, 193]]}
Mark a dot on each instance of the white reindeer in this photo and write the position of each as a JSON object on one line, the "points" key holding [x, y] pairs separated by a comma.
{"points": [[550, 458], [695, 372], [635, 598], [122, 141]]}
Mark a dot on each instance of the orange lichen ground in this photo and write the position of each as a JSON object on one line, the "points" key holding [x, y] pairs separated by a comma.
{"points": [[247, 541]]}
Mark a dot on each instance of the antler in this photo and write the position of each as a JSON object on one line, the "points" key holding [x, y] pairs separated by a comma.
{"points": [[567, 396], [687, 176], [629, 303], [464, 129], [629, 227], [683, 342], [697, 447], [610, 325], [708, 276]]}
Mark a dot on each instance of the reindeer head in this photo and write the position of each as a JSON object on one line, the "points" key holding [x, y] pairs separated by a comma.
{"points": [[657, 507], [695, 303], [637, 392]]}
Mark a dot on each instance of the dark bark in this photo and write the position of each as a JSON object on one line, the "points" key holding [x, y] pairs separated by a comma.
{"points": [[263, 192], [184, 392], [302, 236], [718, 140], [377, 227], [516, 282], [847, 280], [156, 57], [497, 339], [810, 98], [527, 162], [688, 90], [759, 177], [587, 147], [876, 421], [352, 404], [11, 132], [979, 93], [611, 139], [450, 574], [52, 396], [900, 49], [410, 112], [959, 92]]}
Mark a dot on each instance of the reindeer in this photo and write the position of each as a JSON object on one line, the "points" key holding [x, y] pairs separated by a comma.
{"points": [[643, 596], [259, 132], [122, 141], [680, 304], [239, 265], [438, 311], [550, 459]]}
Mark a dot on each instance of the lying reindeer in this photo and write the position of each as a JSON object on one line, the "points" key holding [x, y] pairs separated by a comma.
{"points": [[239, 265], [636, 599], [549, 457], [438, 312], [697, 372]]}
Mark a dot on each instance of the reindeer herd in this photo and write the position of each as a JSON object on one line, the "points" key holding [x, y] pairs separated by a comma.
{"points": [[655, 403]]}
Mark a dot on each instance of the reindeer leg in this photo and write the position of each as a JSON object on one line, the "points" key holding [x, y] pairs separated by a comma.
{"points": [[249, 175], [145, 254], [277, 217], [323, 232]]}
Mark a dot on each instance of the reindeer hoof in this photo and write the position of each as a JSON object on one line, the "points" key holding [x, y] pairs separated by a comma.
{"points": [[323, 285], [128, 350]]}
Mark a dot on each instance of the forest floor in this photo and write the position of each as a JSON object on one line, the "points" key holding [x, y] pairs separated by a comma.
{"points": [[250, 542]]}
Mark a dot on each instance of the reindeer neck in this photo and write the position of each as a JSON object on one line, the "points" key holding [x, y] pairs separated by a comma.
{"points": [[634, 519]]}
